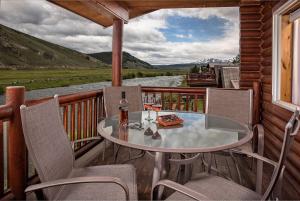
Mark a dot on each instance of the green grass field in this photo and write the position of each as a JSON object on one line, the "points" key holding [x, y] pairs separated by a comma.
{"points": [[48, 78]]}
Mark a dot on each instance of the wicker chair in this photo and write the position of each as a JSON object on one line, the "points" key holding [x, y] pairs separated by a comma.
{"points": [[52, 155], [237, 105], [210, 187], [112, 97]]}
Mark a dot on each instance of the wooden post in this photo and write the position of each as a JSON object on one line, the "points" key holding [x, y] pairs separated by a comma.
{"points": [[117, 52], [256, 102], [17, 159]]}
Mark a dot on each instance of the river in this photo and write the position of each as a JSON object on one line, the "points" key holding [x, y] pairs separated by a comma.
{"points": [[163, 81]]}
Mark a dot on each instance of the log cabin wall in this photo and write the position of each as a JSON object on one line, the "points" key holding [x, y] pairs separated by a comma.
{"points": [[250, 42], [274, 118], [256, 64]]}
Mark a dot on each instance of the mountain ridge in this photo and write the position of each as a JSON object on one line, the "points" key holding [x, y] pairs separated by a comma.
{"points": [[20, 50], [129, 61]]}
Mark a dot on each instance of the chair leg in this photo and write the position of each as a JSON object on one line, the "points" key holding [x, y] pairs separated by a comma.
{"points": [[40, 195], [228, 168], [116, 153], [103, 153], [236, 167]]}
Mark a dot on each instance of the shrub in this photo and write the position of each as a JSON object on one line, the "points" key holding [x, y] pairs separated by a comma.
{"points": [[128, 76], [195, 69], [169, 73], [140, 74], [1, 90]]}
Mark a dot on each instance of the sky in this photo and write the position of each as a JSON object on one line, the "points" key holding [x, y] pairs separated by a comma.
{"points": [[166, 36]]}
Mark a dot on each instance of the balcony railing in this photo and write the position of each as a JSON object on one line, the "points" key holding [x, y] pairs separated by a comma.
{"points": [[80, 112]]}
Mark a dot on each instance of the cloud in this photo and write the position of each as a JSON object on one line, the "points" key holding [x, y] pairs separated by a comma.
{"points": [[143, 36], [183, 35]]}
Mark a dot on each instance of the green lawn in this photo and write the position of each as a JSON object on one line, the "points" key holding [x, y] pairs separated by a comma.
{"points": [[48, 78]]}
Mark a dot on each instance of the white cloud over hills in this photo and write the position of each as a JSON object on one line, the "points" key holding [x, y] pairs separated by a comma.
{"points": [[143, 36]]}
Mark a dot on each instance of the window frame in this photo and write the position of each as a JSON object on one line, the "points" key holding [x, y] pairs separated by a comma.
{"points": [[276, 56]]}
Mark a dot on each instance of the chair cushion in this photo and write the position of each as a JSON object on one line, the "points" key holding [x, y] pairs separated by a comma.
{"points": [[101, 191], [217, 188]]}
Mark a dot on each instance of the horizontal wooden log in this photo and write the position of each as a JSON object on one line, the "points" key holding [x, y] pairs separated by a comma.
{"points": [[250, 17], [266, 43], [250, 25], [69, 98], [186, 90], [278, 133], [267, 97], [250, 58], [267, 79], [251, 50], [266, 52], [247, 75], [6, 112], [291, 162], [249, 9], [250, 68], [267, 71], [271, 153], [250, 34]]}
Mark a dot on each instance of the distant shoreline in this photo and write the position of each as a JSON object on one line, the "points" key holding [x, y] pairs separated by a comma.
{"points": [[164, 81], [50, 78]]}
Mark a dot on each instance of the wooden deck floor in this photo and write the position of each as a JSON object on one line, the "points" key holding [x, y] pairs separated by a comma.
{"points": [[145, 167]]}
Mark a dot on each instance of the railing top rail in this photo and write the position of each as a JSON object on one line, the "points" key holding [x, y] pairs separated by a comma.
{"points": [[69, 98], [6, 112], [196, 90]]}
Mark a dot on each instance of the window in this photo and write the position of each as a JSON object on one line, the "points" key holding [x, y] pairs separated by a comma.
{"points": [[286, 55]]}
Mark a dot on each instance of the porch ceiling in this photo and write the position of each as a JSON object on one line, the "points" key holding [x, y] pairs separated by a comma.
{"points": [[103, 12]]}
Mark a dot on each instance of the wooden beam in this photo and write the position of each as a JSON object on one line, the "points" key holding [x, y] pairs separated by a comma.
{"points": [[117, 52], [120, 12], [98, 11]]}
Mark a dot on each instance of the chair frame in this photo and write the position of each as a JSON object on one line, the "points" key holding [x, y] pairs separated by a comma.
{"points": [[260, 139], [291, 131], [76, 180]]}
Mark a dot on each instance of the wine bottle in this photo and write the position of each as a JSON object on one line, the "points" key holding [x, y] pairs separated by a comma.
{"points": [[123, 107]]}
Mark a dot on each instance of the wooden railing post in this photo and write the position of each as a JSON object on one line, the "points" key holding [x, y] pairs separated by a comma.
{"points": [[17, 163], [256, 102]]}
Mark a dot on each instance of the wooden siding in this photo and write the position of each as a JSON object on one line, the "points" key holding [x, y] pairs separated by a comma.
{"points": [[257, 65], [250, 42], [274, 117]]}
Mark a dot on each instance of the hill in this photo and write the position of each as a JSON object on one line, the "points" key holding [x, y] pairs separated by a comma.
{"points": [[19, 50], [129, 61]]}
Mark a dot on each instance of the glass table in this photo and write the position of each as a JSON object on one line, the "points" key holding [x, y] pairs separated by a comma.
{"points": [[199, 133]]}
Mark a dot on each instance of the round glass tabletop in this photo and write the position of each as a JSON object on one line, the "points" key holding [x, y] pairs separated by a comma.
{"points": [[198, 133]]}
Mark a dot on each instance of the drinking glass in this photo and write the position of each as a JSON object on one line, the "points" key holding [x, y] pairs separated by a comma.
{"points": [[148, 107]]}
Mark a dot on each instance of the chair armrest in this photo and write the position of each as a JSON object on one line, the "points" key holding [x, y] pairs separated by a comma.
{"points": [[185, 161], [260, 138], [179, 188], [85, 139], [78, 180], [258, 157]]}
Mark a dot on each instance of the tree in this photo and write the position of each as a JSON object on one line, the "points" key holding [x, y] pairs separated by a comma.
{"points": [[195, 69]]}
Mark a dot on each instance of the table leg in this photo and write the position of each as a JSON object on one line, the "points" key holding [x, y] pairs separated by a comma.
{"points": [[161, 170]]}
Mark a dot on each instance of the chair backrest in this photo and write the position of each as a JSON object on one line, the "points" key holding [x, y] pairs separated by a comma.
{"points": [[291, 130], [231, 103], [48, 145], [112, 97]]}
